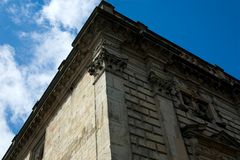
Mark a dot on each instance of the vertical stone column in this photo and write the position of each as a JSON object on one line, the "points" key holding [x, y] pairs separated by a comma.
{"points": [[118, 122], [164, 92], [102, 137], [103, 151], [111, 66]]}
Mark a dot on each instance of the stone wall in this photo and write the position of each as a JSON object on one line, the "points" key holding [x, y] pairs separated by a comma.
{"points": [[79, 129], [144, 120], [71, 131], [137, 128]]}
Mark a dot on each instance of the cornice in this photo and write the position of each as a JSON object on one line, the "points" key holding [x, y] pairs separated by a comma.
{"points": [[220, 139], [137, 36], [204, 78]]}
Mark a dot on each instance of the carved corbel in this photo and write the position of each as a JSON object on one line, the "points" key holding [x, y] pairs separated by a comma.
{"points": [[109, 62]]}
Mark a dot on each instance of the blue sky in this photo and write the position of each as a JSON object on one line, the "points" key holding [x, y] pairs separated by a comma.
{"points": [[35, 36]]}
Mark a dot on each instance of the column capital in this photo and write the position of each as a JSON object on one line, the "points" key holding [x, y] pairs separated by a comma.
{"points": [[107, 61]]}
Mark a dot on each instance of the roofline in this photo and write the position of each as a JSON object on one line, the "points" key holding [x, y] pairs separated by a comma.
{"points": [[173, 46]]}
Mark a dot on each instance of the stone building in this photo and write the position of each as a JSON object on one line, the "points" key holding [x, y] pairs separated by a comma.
{"points": [[126, 93]]}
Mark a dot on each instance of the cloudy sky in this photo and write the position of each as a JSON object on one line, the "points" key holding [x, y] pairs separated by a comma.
{"points": [[35, 36]]}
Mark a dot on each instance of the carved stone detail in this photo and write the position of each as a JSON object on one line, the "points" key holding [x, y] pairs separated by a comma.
{"points": [[193, 130], [199, 72], [190, 100], [162, 86], [218, 116], [107, 61], [223, 137], [220, 146]]}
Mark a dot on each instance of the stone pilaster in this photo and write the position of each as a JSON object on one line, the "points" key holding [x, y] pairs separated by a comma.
{"points": [[111, 67], [164, 89]]}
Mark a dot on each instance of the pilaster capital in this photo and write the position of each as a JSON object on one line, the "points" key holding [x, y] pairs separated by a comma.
{"points": [[164, 86], [106, 61]]}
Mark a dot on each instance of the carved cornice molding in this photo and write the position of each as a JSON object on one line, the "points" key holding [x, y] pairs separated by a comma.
{"points": [[220, 139], [136, 36], [106, 61], [218, 84]]}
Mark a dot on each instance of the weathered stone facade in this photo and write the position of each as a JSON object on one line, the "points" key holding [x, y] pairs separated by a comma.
{"points": [[125, 93]]}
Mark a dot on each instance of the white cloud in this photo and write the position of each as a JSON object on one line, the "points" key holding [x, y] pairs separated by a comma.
{"points": [[52, 46], [5, 134], [69, 14], [22, 13], [12, 94], [22, 34], [49, 49], [22, 85]]}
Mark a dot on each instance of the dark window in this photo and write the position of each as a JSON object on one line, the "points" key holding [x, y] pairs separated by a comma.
{"points": [[37, 153]]}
